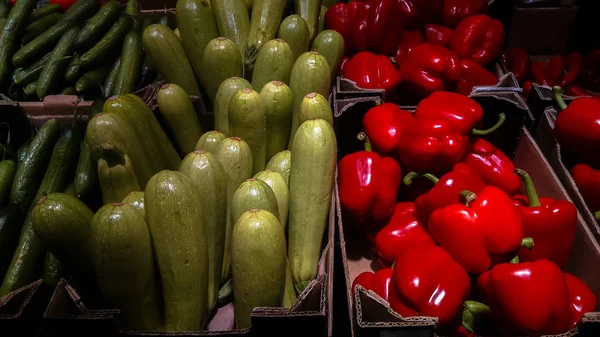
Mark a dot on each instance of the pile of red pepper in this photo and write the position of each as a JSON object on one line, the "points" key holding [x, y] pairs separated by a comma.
{"points": [[468, 224], [423, 45]]}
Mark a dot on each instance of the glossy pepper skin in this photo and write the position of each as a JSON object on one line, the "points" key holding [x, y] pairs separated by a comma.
{"points": [[532, 297], [383, 125], [417, 12], [493, 166], [518, 62], [588, 183], [455, 11], [472, 75], [464, 113], [368, 184], [575, 90], [403, 231], [410, 40], [555, 69], [438, 35], [478, 38], [539, 70], [430, 68], [371, 71], [573, 67], [382, 285], [550, 223], [590, 71], [473, 233], [430, 282], [582, 299]]}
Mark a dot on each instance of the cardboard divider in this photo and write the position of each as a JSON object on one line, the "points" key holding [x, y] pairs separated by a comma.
{"points": [[540, 98], [22, 309]]}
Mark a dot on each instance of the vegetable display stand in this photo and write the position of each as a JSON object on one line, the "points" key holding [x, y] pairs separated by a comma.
{"points": [[540, 98], [22, 309]]}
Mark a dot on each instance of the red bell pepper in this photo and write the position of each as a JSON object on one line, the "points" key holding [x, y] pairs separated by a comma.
{"points": [[472, 75], [472, 233], [577, 127], [410, 40], [432, 145], [431, 283], [372, 71], [575, 90], [456, 10], [573, 66], [532, 297], [527, 89], [493, 166], [64, 4], [582, 299], [446, 190], [368, 184], [430, 68], [550, 223], [417, 12], [383, 125], [556, 69], [381, 284], [539, 70], [463, 112], [478, 38], [590, 71], [438, 35], [588, 183], [365, 279], [518, 62], [403, 231]]}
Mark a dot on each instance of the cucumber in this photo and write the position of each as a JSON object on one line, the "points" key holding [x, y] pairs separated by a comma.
{"points": [[166, 50], [123, 262], [68, 91], [74, 71], [330, 44], [131, 61], [148, 71], [74, 16], [4, 9], [39, 26], [31, 73], [97, 25], [280, 190], [294, 31], [274, 63], [8, 168], [197, 27], [309, 74], [15, 93], [56, 64], [30, 91], [258, 264], [111, 78], [11, 220], [289, 294], [43, 11], [235, 156], [132, 8], [264, 23], [315, 106], [175, 218], [210, 178], [116, 175], [233, 21], [277, 100], [221, 106], [247, 120], [321, 22], [311, 183], [166, 20], [209, 141], [309, 11], [281, 163], [221, 61], [178, 111], [52, 270], [22, 151], [107, 44], [136, 199], [62, 222], [70, 189], [10, 34], [92, 80]]}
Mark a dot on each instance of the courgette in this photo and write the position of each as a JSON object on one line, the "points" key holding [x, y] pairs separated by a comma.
{"points": [[321, 23], [74, 70], [116, 175], [280, 190], [8, 168], [11, 220], [148, 71], [107, 44], [253, 194], [131, 61], [43, 11], [289, 295], [281, 163], [31, 73], [10, 34], [233, 21], [221, 61], [278, 103], [55, 67], [274, 63], [92, 80], [315, 106], [136, 199], [111, 78], [264, 23], [247, 120], [294, 31], [4, 9], [209, 141], [221, 106], [309, 11], [166, 20], [39, 26]]}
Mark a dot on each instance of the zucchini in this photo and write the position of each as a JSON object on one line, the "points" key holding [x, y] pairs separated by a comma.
{"points": [[8, 168], [55, 67], [330, 44], [43, 11], [116, 175], [221, 106], [176, 31], [70, 189], [281, 163], [235, 156], [280, 191], [120, 240], [321, 22], [22, 151], [136, 199], [264, 23], [131, 61], [249, 4], [39, 26], [5, 9], [294, 31], [221, 61], [166, 20], [111, 78], [289, 294], [11, 220], [68, 91], [311, 183], [52, 270], [209, 141], [274, 63], [233, 21], [74, 70], [32, 72], [92, 80], [148, 71], [10, 34], [178, 111], [210, 178], [247, 120], [96, 107], [258, 264], [175, 218], [309, 11], [315, 106], [277, 100], [107, 44], [30, 91], [253, 194], [74, 16], [97, 25]]}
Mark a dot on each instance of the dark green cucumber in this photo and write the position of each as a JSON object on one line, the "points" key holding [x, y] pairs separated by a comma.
{"points": [[247, 120], [30, 91], [330, 44], [15, 92], [278, 103], [8, 168], [52, 270], [68, 91], [148, 72], [233, 21], [92, 80], [38, 27], [132, 8], [43, 11], [74, 70], [309, 11], [22, 151], [74, 16], [10, 36], [108, 43], [222, 60], [111, 78], [131, 61], [32, 72], [116, 175], [86, 174], [55, 67], [11, 220], [295, 32], [209, 141], [97, 25], [274, 63], [221, 106], [4, 9], [264, 23]]}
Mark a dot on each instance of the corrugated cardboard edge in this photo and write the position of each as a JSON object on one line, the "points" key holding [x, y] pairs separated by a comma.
{"points": [[29, 289]]}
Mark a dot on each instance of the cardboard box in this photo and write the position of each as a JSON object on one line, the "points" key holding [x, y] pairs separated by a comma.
{"points": [[21, 310]]}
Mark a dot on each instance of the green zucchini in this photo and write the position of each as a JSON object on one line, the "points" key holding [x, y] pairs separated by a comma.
{"points": [[97, 25], [247, 120], [264, 23], [68, 91], [309, 11], [148, 71], [30, 91], [8, 168], [74, 70], [11, 220], [330, 44], [210, 178], [321, 23], [233, 21], [278, 103], [253, 194], [111, 78], [221, 106], [249, 4], [221, 61], [274, 63], [39, 26], [289, 295], [258, 264], [5, 9], [116, 175], [281, 163], [136, 199], [55, 67], [209, 141], [107, 44], [280, 190], [32, 72], [92, 80], [70, 189], [11, 32], [174, 215], [294, 31], [178, 111], [43, 11], [311, 183], [315, 106], [166, 20], [131, 61]]}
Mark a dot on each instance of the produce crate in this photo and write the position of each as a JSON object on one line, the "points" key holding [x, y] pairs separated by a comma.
{"points": [[541, 98], [22, 309]]}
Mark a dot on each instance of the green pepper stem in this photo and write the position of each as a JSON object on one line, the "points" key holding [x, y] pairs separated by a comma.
{"points": [[557, 91], [534, 200], [467, 197], [501, 119], [365, 139], [471, 311], [515, 259], [527, 243], [597, 216], [408, 178]]}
